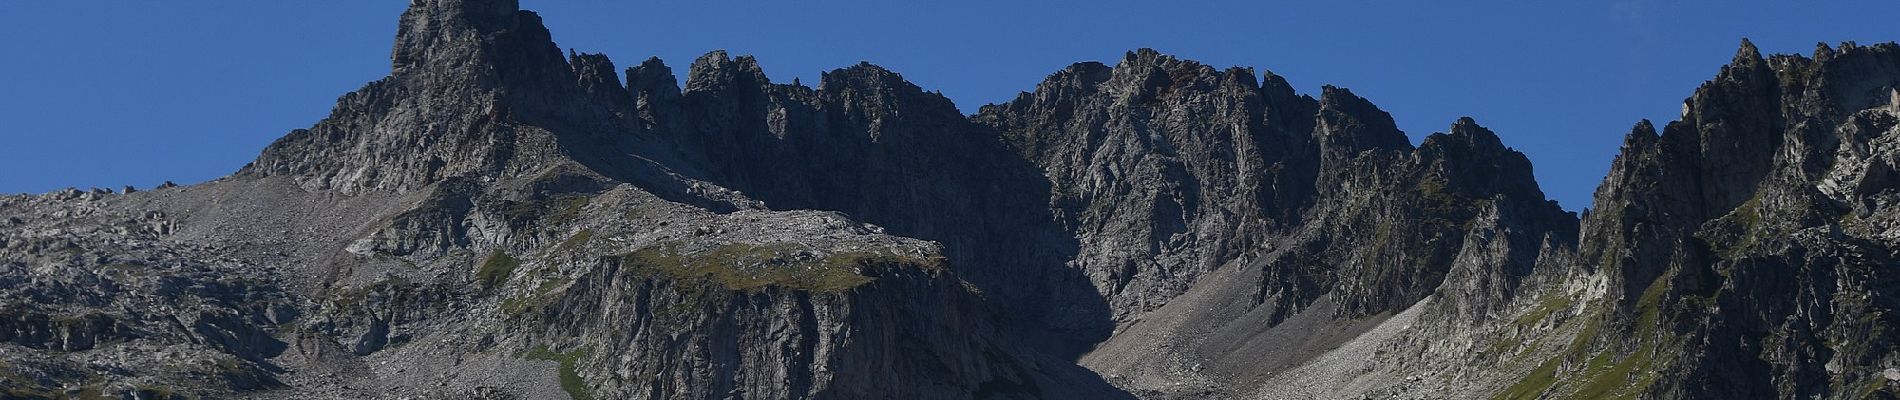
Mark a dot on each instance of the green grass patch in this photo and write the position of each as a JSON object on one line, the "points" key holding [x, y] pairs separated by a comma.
{"points": [[1382, 233], [1869, 386], [146, 392], [1549, 304], [496, 269], [1443, 207], [577, 242], [1649, 307], [556, 210], [535, 298], [1608, 379], [571, 381], [96, 393], [1741, 230], [1539, 381], [751, 268]]}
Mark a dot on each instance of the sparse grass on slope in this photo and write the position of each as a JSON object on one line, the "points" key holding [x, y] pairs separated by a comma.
{"points": [[496, 269], [571, 381], [577, 242], [555, 211], [751, 268], [1602, 374]]}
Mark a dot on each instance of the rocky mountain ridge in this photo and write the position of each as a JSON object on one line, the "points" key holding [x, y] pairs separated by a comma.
{"points": [[498, 220]]}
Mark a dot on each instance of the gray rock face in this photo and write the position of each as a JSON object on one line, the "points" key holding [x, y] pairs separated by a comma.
{"points": [[498, 220], [1164, 169], [1756, 270], [869, 144], [89, 287], [458, 69]]}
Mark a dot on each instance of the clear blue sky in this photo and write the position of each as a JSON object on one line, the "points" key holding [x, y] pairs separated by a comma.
{"points": [[138, 92]]}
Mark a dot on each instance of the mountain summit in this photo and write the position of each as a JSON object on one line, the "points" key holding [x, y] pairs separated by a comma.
{"points": [[499, 220]]}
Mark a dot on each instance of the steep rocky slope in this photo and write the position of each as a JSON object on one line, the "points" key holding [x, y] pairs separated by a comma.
{"points": [[1738, 253], [1237, 228], [1746, 243], [487, 222], [498, 220]]}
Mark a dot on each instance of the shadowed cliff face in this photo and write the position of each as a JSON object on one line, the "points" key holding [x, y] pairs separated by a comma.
{"points": [[869, 144], [497, 220]]}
